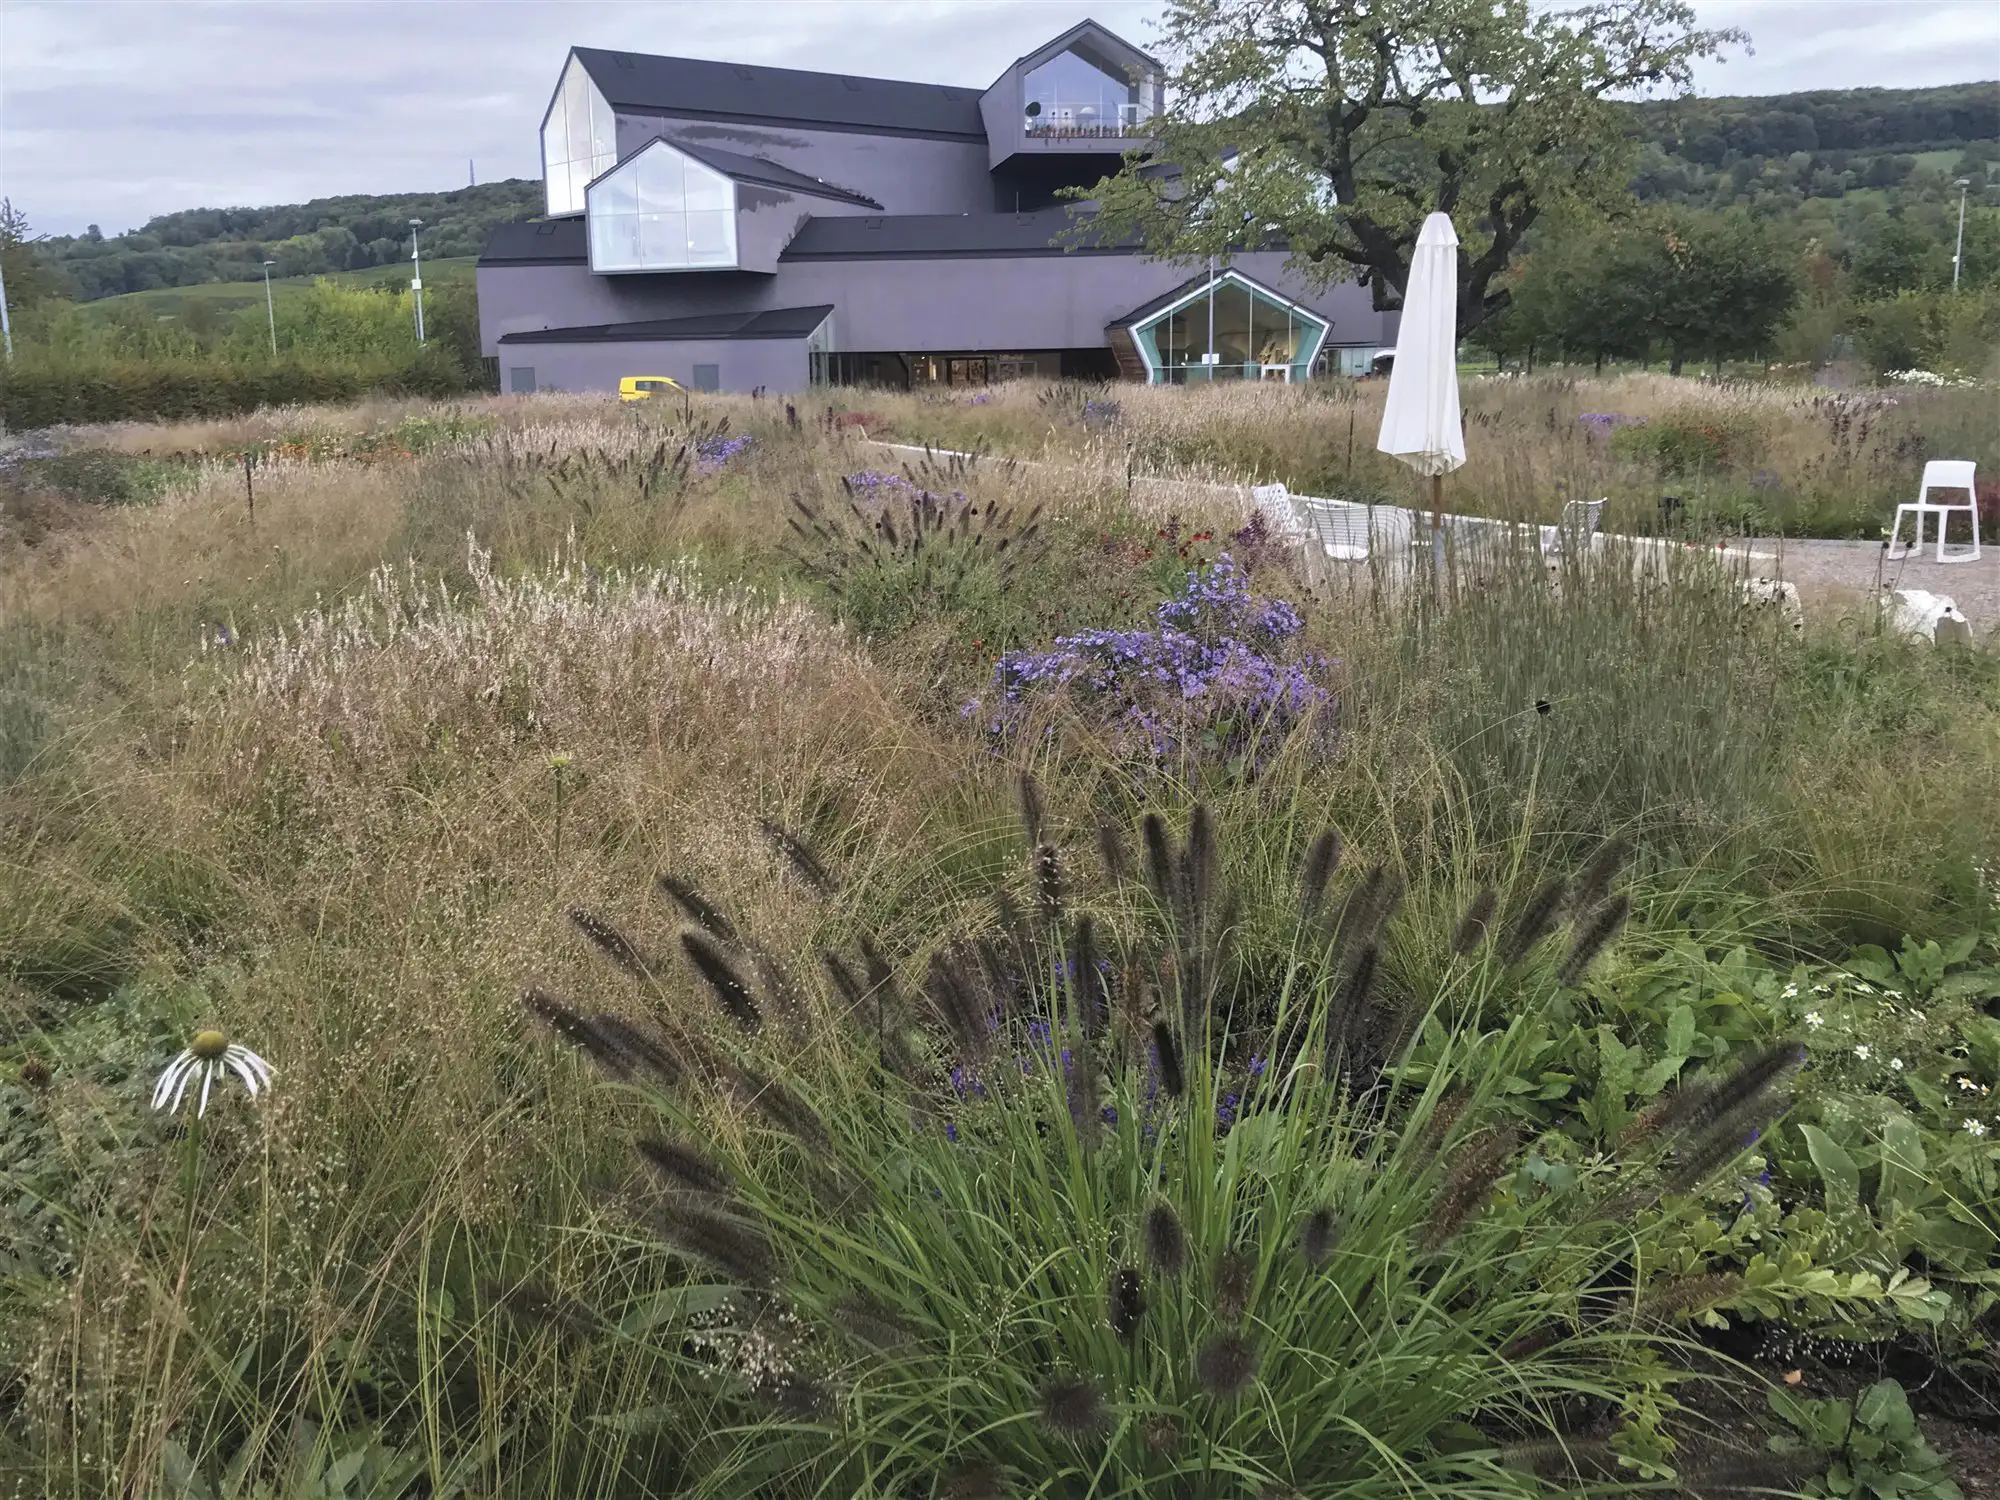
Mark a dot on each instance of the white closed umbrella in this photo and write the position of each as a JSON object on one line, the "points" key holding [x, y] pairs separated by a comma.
{"points": [[1420, 421]]}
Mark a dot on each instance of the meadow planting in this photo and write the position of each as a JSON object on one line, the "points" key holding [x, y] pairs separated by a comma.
{"points": [[550, 948]]}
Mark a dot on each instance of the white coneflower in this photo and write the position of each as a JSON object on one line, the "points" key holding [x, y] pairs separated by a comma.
{"points": [[210, 1055], [1862, 1050], [1814, 1018]]}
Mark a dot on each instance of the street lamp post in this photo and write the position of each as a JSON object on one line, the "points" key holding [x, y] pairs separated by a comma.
{"points": [[1958, 250], [6, 328], [270, 308], [417, 279]]}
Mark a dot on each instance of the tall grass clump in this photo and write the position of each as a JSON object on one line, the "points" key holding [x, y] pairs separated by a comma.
{"points": [[1034, 1211]]}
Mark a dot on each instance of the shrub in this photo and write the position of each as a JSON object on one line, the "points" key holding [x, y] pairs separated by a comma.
{"points": [[1691, 440], [101, 476], [1079, 1225], [46, 392]]}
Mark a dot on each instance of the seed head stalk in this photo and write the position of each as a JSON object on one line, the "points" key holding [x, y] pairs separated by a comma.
{"points": [[558, 764]]}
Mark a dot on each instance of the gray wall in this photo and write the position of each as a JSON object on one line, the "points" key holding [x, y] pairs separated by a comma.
{"points": [[905, 174], [911, 306], [742, 364], [767, 218]]}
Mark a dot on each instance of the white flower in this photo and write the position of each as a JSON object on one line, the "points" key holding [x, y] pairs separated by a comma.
{"points": [[1861, 1051], [1814, 1018], [1974, 1128], [1895, 1065], [1822, 989], [1790, 992], [1893, 994], [211, 1055]]}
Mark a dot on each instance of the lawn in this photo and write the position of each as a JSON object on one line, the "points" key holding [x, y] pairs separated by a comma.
{"points": [[231, 296], [788, 973]]}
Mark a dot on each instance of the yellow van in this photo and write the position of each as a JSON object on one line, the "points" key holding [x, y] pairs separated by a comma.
{"points": [[642, 387]]}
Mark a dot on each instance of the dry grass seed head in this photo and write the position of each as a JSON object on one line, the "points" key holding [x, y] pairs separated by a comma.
{"points": [[720, 975], [1226, 1365], [1165, 1240], [1126, 1302], [1472, 927], [1072, 1406], [698, 910]]}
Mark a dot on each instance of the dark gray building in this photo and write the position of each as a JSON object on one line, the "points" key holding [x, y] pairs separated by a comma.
{"points": [[741, 227]]}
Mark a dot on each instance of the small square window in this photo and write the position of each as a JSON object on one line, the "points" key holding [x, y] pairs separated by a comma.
{"points": [[521, 380], [708, 377]]}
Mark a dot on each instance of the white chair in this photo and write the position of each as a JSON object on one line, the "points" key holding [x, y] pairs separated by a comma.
{"points": [[1274, 503], [1578, 525], [1939, 474], [1354, 533]]}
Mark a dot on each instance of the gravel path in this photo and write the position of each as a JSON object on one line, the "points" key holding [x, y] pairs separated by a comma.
{"points": [[1839, 575]]}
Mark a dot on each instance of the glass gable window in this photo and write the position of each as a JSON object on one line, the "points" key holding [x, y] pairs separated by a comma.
{"points": [[661, 210], [1083, 93], [579, 140], [1230, 329]]}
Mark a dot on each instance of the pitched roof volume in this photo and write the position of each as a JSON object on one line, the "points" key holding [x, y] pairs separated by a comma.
{"points": [[696, 88], [763, 172], [772, 323]]}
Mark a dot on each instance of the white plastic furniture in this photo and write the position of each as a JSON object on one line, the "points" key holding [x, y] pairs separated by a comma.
{"points": [[1578, 525], [1354, 533], [1274, 503], [1939, 474]]}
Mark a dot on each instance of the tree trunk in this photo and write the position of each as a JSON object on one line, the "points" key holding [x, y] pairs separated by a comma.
{"points": [[1674, 363], [1600, 362]]}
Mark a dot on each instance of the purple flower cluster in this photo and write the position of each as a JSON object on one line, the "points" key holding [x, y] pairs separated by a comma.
{"points": [[1101, 413], [980, 399], [1603, 421], [881, 486], [712, 453], [1202, 680]]}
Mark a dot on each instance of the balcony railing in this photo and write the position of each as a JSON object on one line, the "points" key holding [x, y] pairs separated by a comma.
{"points": [[1133, 122]]}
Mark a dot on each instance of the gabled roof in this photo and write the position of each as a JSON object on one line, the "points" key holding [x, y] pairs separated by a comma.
{"points": [[687, 87], [1153, 307], [1090, 28], [546, 242], [761, 172], [772, 323], [938, 237]]}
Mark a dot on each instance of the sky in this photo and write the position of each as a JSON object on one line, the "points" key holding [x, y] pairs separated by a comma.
{"points": [[112, 111]]}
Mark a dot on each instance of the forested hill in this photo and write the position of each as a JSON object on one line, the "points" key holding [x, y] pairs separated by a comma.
{"points": [[1777, 150], [328, 234]]}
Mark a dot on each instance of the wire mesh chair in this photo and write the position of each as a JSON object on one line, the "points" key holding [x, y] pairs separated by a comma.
{"points": [[1579, 523]]}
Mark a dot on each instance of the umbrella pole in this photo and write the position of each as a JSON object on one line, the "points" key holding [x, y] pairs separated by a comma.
{"points": [[1437, 523]]}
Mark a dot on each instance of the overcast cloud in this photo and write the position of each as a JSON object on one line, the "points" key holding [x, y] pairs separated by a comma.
{"points": [[114, 110]]}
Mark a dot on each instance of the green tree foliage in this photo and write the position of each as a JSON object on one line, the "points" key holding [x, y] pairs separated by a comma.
{"points": [[24, 265], [1338, 125], [1689, 286], [305, 239]]}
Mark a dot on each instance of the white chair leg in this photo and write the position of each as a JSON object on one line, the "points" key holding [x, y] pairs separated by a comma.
{"points": [[1896, 535]]}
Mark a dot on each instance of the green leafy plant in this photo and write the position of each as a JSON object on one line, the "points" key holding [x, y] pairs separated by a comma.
{"points": [[1874, 1449]]}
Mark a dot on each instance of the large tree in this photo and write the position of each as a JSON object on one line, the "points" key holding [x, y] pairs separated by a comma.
{"points": [[1336, 126]]}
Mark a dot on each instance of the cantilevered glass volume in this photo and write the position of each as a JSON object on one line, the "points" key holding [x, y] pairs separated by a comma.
{"points": [[661, 210]]}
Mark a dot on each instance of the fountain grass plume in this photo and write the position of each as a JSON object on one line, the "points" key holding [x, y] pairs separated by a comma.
{"points": [[1198, 867], [683, 1167], [1159, 857], [1698, 1107], [1029, 794], [725, 1242], [1533, 920], [1468, 1185], [783, 1108], [1322, 861], [632, 1052], [1593, 881], [869, 1322], [698, 910], [1473, 926], [959, 997], [1089, 993], [612, 943], [1172, 1079], [721, 977], [1318, 1233], [1235, 1277], [1125, 1302], [800, 856], [1226, 1365], [1111, 849], [975, 1481], [1700, 1155], [1597, 931], [1072, 1407], [1165, 1240], [1048, 888], [1086, 1100]]}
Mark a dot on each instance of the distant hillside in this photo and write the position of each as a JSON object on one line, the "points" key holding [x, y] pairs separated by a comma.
{"points": [[1888, 147], [351, 233]]}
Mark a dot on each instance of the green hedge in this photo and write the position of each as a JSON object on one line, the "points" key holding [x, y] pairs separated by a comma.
{"points": [[43, 393]]}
